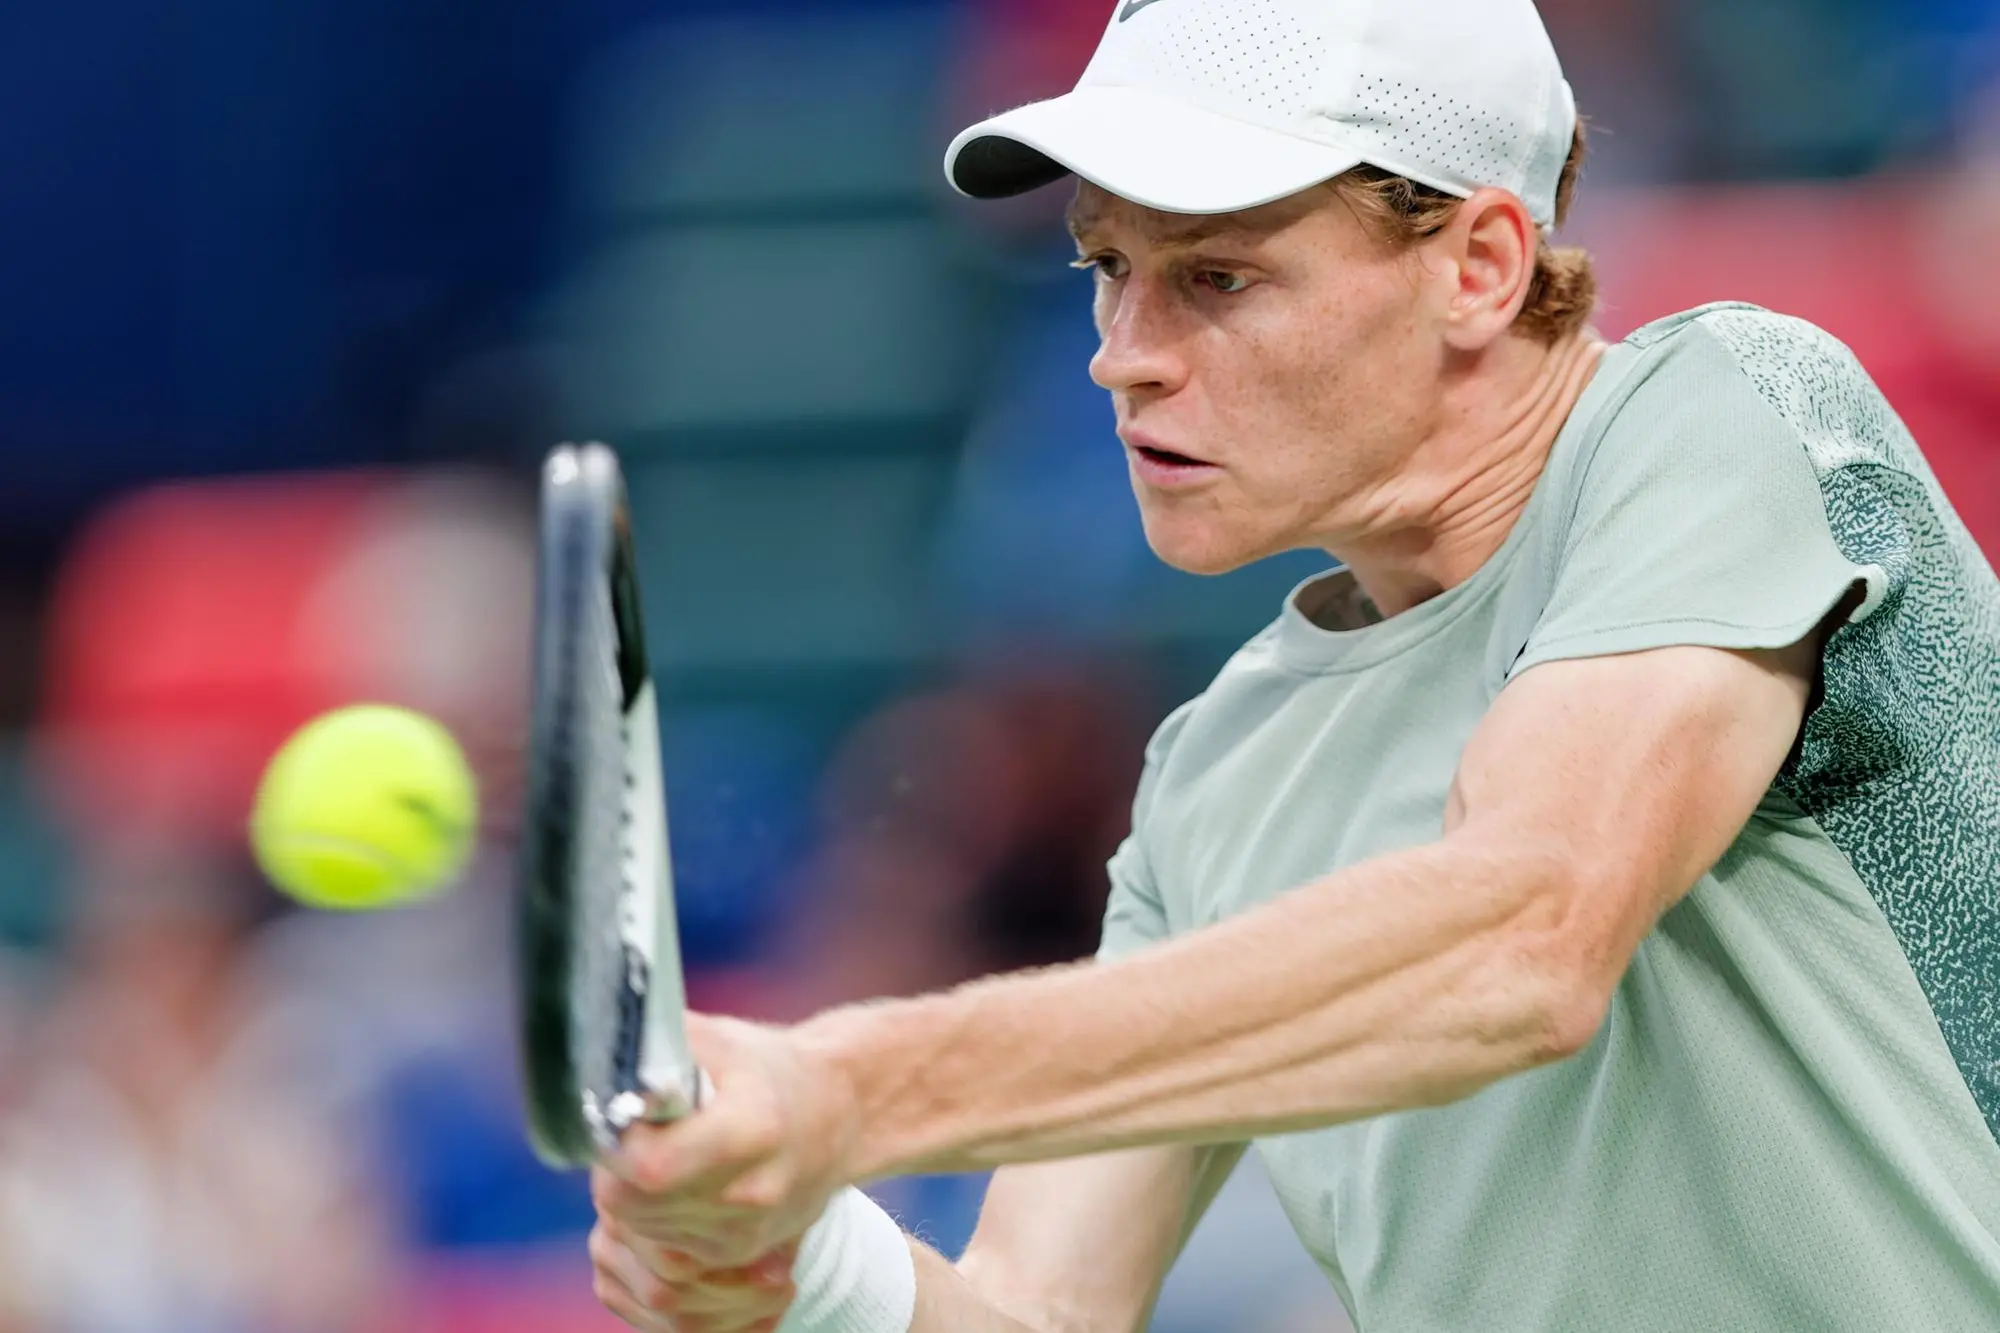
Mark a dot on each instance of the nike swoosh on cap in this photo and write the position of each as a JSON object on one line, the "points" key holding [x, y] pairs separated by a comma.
{"points": [[1132, 7]]}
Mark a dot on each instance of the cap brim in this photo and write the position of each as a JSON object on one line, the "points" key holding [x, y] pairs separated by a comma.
{"points": [[1158, 152]]}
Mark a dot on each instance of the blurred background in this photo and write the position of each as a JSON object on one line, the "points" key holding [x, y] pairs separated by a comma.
{"points": [[293, 296]]}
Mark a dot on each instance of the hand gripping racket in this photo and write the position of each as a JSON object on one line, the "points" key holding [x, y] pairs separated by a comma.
{"points": [[603, 1002]]}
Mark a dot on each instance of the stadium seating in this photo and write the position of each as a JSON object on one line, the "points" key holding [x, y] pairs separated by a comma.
{"points": [[31, 857]]}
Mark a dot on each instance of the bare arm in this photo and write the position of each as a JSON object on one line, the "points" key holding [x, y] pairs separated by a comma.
{"points": [[1591, 799], [1079, 1246]]}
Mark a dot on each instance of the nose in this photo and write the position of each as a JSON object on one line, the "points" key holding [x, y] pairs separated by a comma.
{"points": [[1136, 351]]}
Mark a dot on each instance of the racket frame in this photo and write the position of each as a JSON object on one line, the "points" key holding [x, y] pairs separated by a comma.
{"points": [[587, 579]]}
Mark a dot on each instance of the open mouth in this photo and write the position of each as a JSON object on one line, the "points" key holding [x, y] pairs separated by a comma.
{"points": [[1168, 458]]}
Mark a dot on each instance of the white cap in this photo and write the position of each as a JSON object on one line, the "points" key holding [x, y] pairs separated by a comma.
{"points": [[1211, 106]]}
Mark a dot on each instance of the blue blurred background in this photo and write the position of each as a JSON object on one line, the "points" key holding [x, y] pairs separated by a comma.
{"points": [[294, 295]]}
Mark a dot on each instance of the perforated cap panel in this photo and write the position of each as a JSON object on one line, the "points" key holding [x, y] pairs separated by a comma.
{"points": [[1262, 59], [1459, 94]]}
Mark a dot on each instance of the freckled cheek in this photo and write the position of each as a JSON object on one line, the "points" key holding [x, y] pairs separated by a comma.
{"points": [[1281, 416]]}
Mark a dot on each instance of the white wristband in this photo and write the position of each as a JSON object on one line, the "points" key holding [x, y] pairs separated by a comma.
{"points": [[854, 1273]]}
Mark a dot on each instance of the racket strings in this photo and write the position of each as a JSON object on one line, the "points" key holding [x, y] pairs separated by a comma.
{"points": [[627, 1102]]}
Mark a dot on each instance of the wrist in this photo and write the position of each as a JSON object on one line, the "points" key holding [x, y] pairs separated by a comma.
{"points": [[855, 1272], [850, 1049]]}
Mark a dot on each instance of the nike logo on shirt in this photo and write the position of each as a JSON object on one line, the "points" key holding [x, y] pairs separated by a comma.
{"points": [[1132, 7]]}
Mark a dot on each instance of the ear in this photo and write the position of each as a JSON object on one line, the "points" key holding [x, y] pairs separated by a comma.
{"points": [[1491, 247]]}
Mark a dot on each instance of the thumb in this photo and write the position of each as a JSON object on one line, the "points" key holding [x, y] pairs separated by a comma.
{"points": [[732, 1132]]}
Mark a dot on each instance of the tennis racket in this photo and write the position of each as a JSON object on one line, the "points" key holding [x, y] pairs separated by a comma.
{"points": [[604, 1005]]}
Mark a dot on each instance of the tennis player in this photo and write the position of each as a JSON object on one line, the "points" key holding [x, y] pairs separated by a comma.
{"points": [[1587, 902]]}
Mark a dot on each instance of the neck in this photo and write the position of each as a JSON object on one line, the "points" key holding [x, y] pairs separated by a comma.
{"points": [[1452, 504]]}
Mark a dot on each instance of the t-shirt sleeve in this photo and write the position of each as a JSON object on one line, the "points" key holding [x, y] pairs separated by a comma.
{"points": [[1696, 520], [1135, 915]]}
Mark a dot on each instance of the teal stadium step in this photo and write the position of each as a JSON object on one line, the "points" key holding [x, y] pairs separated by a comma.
{"points": [[33, 861], [824, 111], [780, 566], [763, 332]]}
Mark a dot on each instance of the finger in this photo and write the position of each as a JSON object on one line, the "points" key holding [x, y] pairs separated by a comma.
{"points": [[607, 1188], [627, 1273], [708, 1233], [721, 1249], [756, 1230], [616, 1297], [767, 1269], [681, 1158], [637, 1146], [775, 1269], [705, 1151], [680, 1242], [658, 1215], [715, 1053], [733, 1305], [758, 1280], [743, 1241], [705, 1304], [662, 1260]]}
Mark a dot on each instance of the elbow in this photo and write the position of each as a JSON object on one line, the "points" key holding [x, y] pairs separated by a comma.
{"points": [[1543, 1013], [1530, 1020], [1536, 1013], [1569, 1022], [1561, 964], [1527, 1009]]}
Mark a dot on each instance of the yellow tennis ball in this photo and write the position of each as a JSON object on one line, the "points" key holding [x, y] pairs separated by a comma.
{"points": [[365, 807]]}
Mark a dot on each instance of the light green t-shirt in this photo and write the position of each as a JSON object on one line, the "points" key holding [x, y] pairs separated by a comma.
{"points": [[1791, 1118]]}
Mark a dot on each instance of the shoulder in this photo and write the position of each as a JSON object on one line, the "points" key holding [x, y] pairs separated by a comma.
{"points": [[1258, 657], [1168, 732], [1706, 403], [1159, 757], [1215, 716], [1731, 361], [1751, 337], [1687, 507]]}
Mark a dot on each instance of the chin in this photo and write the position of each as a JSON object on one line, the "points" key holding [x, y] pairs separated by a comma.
{"points": [[1200, 552]]}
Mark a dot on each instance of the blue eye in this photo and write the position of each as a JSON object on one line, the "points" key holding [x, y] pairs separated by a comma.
{"points": [[1222, 282]]}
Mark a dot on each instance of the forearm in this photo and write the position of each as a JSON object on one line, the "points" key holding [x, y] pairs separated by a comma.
{"points": [[1408, 981], [948, 1302], [1076, 1246]]}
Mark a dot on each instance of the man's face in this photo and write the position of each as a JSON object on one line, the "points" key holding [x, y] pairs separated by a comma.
{"points": [[1272, 371]]}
